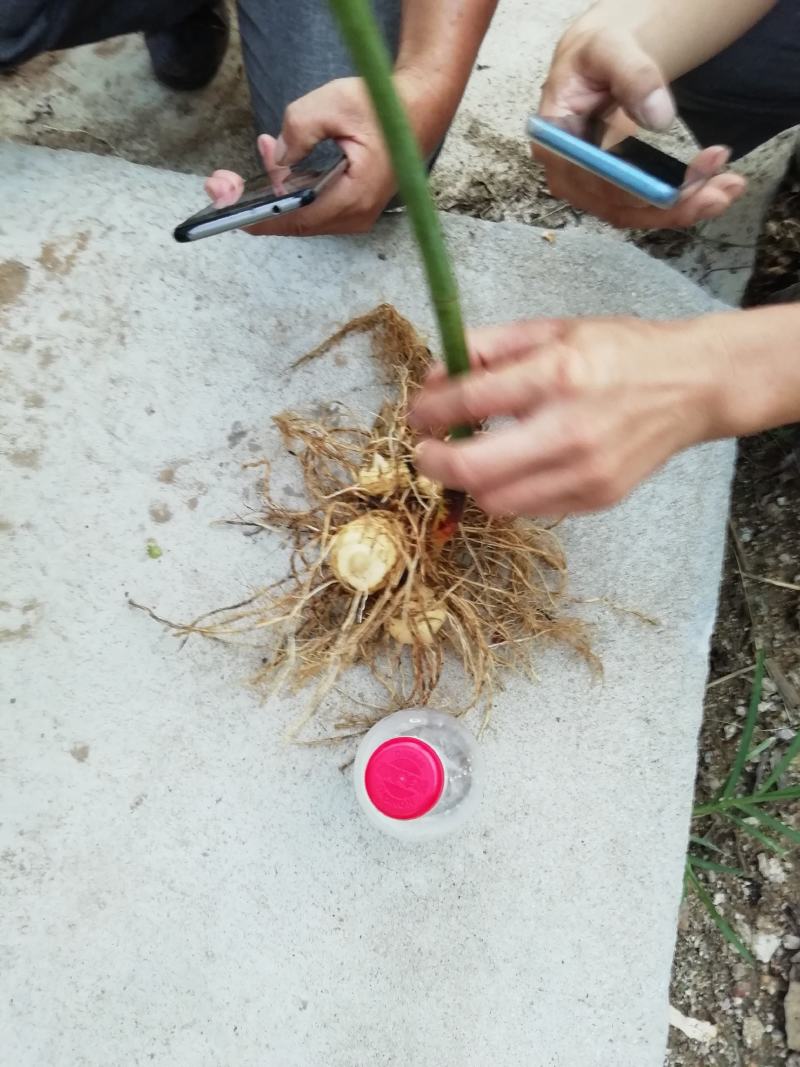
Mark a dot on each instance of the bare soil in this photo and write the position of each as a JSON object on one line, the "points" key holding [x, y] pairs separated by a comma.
{"points": [[710, 981]]}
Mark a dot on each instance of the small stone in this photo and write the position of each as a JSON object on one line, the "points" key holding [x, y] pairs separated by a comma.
{"points": [[731, 729], [791, 942], [764, 705], [746, 535], [772, 870], [684, 916], [791, 1009], [795, 958], [694, 1029], [781, 501], [785, 734], [768, 687], [786, 557], [752, 1031], [769, 984], [765, 945]]}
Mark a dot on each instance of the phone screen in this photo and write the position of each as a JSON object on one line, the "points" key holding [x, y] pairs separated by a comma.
{"points": [[287, 181], [284, 189], [651, 160]]}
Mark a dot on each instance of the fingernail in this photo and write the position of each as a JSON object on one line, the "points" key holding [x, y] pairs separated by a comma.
{"points": [[280, 151], [657, 111], [722, 157]]}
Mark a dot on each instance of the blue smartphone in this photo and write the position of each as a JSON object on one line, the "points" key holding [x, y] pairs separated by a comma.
{"points": [[632, 165]]}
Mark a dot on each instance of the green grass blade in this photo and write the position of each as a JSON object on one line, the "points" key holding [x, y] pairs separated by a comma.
{"points": [[703, 842], [753, 831], [721, 923], [791, 792], [762, 746], [783, 764], [776, 825], [749, 727], [718, 868], [720, 807]]}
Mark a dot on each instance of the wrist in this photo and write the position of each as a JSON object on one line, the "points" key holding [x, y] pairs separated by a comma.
{"points": [[759, 370], [431, 99]]}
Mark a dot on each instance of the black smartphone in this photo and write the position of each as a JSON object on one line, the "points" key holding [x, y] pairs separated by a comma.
{"points": [[265, 196]]}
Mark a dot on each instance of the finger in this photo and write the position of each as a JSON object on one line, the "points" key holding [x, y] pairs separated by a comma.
{"points": [[494, 346], [634, 79], [706, 165], [550, 493], [597, 197], [277, 174], [712, 199], [266, 149], [493, 460], [224, 187], [339, 209], [306, 122], [568, 97], [471, 398]]}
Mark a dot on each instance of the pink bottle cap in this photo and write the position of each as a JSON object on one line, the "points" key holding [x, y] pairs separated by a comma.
{"points": [[404, 778]]}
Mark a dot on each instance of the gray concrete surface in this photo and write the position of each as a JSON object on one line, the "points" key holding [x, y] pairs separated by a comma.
{"points": [[179, 886], [720, 254]]}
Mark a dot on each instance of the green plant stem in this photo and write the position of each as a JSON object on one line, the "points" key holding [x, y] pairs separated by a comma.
{"points": [[783, 765], [371, 56], [721, 923], [749, 728]]}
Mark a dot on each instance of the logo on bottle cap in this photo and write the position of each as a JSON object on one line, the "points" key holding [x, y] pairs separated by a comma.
{"points": [[404, 778]]}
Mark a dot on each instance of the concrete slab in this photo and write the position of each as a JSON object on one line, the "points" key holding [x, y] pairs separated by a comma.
{"points": [[179, 886]]}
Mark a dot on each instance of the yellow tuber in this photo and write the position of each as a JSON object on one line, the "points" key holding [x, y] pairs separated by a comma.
{"points": [[366, 553], [420, 622], [427, 488], [383, 476]]}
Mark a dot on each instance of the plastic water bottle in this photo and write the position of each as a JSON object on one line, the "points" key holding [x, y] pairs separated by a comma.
{"points": [[418, 774]]}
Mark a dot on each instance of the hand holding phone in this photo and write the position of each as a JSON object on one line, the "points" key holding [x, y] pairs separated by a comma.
{"points": [[637, 168], [633, 185], [279, 192]]}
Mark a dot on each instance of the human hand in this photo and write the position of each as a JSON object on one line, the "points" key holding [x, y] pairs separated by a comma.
{"points": [[340, 110], [599, 404], [595, 71]]}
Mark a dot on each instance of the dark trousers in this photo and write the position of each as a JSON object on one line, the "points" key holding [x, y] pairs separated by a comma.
{"points": [[290, 46]]}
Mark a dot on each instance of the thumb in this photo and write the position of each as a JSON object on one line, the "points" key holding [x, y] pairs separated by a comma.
{"points": [[633, 78], [306, 122]]}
